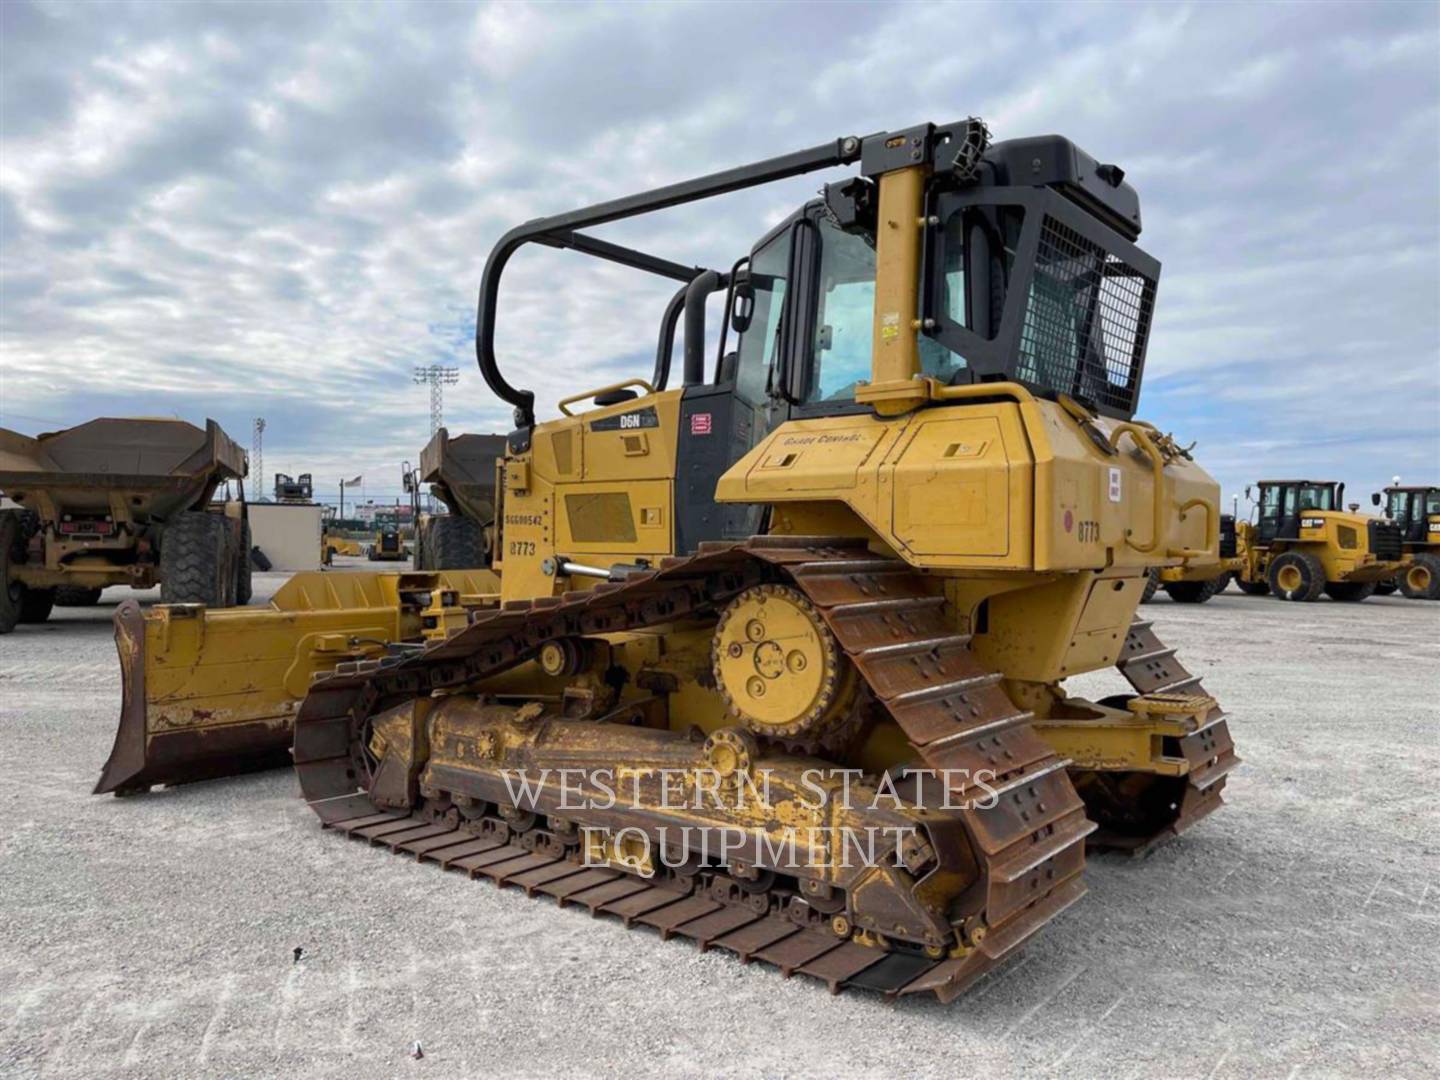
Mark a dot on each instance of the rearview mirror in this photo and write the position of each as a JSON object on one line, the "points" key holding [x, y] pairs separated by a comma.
{"points": [[744, 308], [1375, 498]]}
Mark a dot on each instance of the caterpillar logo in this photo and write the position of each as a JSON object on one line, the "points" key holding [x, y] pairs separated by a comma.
{"points": [[1312, 523]]}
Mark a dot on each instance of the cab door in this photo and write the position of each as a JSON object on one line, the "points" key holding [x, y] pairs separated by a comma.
{"points": [[722, 420]]}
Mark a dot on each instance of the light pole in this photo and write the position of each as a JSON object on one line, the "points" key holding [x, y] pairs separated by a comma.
{"points": [[437, 378]]}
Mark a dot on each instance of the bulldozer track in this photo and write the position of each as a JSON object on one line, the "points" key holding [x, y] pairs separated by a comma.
{"points": [[892, 623], [1152, 669]]}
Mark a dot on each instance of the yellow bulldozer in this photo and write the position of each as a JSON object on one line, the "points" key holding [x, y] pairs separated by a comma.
{"points": [[774, 659], [1303, 543], [1415, 511]]}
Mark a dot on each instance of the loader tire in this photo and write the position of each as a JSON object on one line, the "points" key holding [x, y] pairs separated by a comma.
{"points": [[1297, 576], [74, 596], [1253, 588], [1421, 579], [455, 543], [244, 585], [1151, 584], [1349, 592], [12, 593], [1189, 592], [1387, 587], [1221, 583], [36, 605], [193, 547]]}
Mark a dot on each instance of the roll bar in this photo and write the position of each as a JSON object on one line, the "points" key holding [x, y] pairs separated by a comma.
{"points": [[559, 231]]}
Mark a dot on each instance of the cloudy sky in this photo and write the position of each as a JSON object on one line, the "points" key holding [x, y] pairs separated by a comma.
{"points": [[242, 210]]}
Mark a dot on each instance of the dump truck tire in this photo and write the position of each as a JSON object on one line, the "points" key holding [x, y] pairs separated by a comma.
{"points": [[1189, 592], [244, 586], [1151, 584], [36, 605], [12, 593], [73, 596], [1421, 579], [1349, 592], [192, 560], [455, 543], [1297, 576]]}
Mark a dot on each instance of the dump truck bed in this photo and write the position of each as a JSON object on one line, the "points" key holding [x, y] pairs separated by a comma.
{"points": [[461, 470], [157, 467]]}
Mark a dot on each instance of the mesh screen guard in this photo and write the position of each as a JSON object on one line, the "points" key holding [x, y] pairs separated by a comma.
{"points": [[1078, 303]]}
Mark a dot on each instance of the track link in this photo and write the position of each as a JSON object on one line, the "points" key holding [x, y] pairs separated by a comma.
{"points": [[890, 620]]}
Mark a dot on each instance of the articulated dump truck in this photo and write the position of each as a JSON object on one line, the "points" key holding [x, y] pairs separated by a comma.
{"points": [[120, 501], [461, 472], [775, 658]]}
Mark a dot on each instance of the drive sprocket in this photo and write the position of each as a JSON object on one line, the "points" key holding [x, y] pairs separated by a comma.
{"points": [[779, 667]]}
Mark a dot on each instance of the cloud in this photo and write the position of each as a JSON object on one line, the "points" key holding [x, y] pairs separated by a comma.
{"points": [[242, 209]]}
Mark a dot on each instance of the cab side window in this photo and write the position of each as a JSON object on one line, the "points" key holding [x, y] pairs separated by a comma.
{"points": [[844, 315]]}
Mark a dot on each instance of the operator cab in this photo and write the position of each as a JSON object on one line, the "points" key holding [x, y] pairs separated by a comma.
{"points": [[1283, 503], [1006, 263], [1411, 509]]}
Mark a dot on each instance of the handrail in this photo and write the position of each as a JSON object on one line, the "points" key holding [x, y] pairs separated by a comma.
{"points": [[559, 231], [1140, 431], [941, 392], [565, 403], [1157, 468], [1212, 531]]}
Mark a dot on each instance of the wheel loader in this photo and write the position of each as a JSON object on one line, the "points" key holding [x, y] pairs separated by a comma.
{"points": [[1303, 543], [387, 545], [1415, 511], [121, 502], [1195, 582], [775, 658]]}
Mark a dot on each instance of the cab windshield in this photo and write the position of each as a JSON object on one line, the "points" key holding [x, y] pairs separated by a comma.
{"points": [[1315, 497]]}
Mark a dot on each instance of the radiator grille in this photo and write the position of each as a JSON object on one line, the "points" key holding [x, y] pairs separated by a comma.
{"points": [[1086, 320], [1228, 542], [1386, 542]]}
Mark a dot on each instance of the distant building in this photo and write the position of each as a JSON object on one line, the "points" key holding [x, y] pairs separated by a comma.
{"points": [[373, 513]]}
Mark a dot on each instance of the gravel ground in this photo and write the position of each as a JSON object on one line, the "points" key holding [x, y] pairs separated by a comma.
{"points": [[1295, 932]]}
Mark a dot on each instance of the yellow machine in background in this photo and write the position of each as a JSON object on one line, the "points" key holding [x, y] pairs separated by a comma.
{"points": [[1415, 511], [387, 546], [1303, 543], [333, 544], [1197, 580], [869, 543]]}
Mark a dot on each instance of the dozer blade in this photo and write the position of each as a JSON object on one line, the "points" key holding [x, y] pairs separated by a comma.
{"points": [[214, 693]]}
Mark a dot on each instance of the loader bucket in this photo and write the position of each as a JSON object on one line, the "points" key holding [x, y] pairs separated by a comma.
{"points": [[210, 693]]}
